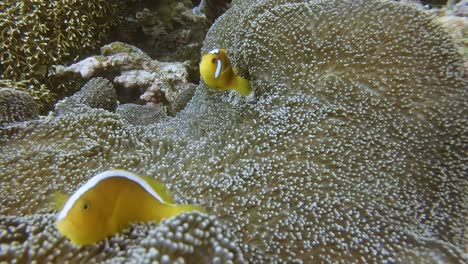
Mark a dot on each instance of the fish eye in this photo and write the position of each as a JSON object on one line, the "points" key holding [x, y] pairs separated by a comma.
{"points": [[85, 206], [213, 60]]}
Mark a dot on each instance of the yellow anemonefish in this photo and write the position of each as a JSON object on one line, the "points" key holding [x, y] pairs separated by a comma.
{"points": [[110, 202], [217, 72]]}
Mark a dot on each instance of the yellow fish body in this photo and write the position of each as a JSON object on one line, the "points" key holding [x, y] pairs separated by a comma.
{"points": [[110, 202], [217, 72]]}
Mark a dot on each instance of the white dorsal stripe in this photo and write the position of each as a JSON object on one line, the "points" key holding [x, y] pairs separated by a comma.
{"points": [[102, 176], [215, 51], [218, 68]]}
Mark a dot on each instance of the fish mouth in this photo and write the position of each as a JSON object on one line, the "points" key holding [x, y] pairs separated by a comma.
{"points": [[72, 232]]}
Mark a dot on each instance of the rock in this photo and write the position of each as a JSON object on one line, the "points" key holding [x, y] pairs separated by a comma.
{"points": [[157, 83]]}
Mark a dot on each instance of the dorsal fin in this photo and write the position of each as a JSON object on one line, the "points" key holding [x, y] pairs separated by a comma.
{"points": [[159, 188]]}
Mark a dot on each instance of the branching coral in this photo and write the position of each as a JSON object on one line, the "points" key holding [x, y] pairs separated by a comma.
{"points": [[352, 152], [34, 35]]}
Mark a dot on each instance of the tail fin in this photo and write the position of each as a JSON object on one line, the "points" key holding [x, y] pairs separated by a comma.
{"points": [[243, 86]]}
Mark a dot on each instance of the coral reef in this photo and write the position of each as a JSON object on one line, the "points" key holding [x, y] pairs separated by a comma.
{"points": [[157, 83], [35, 35], [353, 150], [16, 106], [454, 17], [212, 9], [172, 30], [167, 31]]}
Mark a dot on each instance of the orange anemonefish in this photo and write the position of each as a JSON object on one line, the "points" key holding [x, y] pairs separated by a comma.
{"points": [[110, 202], [217, 72]]}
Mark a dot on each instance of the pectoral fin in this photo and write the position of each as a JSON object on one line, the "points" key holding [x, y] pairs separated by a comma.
{"points": [[58, 200]]}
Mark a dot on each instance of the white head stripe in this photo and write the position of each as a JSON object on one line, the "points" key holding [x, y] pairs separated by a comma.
{"points": [[102, 176], [215, 51], [218, 68]]}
